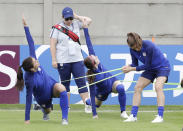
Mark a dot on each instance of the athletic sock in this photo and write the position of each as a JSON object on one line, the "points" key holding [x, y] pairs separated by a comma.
{"points": [[64, 104], [88, 101], [121, 97], [160, 110], [134, 111]]}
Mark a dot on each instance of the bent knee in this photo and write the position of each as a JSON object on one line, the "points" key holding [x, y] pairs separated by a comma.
{"points": [[158, 89], [59, 87], [138, 89]]}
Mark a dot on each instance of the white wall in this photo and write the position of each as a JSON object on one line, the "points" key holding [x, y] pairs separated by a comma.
{"points": [[112, 20]]}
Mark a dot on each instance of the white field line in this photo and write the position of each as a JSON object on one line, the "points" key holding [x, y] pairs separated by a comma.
{"points": [[2, 110]]}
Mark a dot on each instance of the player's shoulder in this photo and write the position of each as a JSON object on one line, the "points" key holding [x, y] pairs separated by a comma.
{"points": [[148, 44]]}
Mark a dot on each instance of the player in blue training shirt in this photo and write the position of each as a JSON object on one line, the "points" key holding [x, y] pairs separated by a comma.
{"points": [[100, 91], [40, 84], [155, 66]]}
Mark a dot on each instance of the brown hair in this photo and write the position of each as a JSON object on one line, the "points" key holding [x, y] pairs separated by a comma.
{"points": [[90, 79], [90, 65], [26, 65], [134, 39]]}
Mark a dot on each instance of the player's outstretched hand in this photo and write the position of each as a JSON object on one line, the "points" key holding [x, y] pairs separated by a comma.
{"points": [[27, 122], [23, 21]]}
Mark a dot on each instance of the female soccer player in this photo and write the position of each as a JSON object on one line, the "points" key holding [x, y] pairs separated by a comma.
{"points": [[40, 84], [100, 91], [156, 66]]}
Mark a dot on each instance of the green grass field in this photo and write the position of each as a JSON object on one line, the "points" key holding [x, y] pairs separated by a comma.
{"points": [[12, 119]]}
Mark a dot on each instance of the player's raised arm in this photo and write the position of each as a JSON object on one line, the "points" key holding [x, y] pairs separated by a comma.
{"points": [[88, 42], [29, 39]]}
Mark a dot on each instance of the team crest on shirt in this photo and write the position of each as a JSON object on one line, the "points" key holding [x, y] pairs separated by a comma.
{"points": [[39, 69], [144, 53]]}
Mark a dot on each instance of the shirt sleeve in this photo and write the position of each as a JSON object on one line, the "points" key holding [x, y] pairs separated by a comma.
{"points": [[134, 60], [92, 96], [88, 42], [29, 90], [54, 33], [30, 42], [148, 60]]}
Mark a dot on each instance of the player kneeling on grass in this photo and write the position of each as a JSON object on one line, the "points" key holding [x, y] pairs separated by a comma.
{"points": [[100, 91], [40, 84]]}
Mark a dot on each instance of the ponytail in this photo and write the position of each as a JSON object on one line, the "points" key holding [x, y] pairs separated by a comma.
{"points": [[26, 65], [90, 78], [20, 81]]}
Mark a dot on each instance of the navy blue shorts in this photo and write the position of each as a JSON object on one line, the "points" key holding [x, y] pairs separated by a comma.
{"points": [[78, 70], [102, 97], [45, 105], [44, 98], [151, 75]]}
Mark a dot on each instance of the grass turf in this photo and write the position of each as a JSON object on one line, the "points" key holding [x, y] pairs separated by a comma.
{"points": [[12, 119]]}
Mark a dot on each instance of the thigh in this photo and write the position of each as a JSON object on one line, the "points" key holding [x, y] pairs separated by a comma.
{"points": [[160, 81], [102, 97], [65, 72], [46, 105], [163, 73], [78, 70], [161, 78], [150, 75], [142, 83], [57, 89], [115, 84]]}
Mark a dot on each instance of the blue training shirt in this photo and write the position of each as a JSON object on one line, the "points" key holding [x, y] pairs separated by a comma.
{"points": [[104, 86], [151, 56], [39, 83]]}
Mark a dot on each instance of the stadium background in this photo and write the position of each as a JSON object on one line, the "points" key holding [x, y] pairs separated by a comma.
{"points": [[112, 20]]}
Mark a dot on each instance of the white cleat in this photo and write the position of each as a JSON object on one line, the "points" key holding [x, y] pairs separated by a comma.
{"points": [[158, 119], [124, 114], [95, 117], [65, 122], [131, 119], [88, 109]]}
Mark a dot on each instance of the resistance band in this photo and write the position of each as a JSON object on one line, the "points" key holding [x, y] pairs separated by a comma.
{"points": [[101, 80], [92, 74]]}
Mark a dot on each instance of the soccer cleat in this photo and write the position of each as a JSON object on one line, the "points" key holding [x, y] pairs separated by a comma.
{"points": [[95, 117], [131, 119], [65, 122], [124, 114], [88, 109], [36, 107], [158, 119], [45, 117]]}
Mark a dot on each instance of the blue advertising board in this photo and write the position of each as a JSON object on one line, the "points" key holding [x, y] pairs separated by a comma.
{"points": [[116, 56]]}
